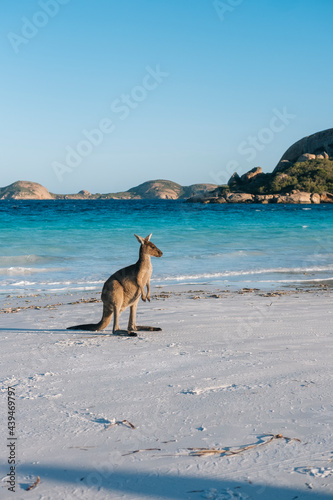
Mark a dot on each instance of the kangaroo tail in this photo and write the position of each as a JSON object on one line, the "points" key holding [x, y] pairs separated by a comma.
{"points": [[91, 327], [94, 327]]}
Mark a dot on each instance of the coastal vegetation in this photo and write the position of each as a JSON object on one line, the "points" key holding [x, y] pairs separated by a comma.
{"points": [[313, 176]]}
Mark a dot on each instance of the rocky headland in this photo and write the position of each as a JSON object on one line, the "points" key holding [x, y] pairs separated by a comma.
{"points": [[304, 174]]}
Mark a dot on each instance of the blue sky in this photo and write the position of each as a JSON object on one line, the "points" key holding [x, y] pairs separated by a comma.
{"points": [[103, 95]]}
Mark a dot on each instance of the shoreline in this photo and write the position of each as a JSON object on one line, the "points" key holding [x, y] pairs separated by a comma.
{"points": [[36, 301]]}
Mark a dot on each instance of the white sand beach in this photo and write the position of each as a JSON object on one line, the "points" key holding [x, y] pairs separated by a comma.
{"points": [[228, 370]]}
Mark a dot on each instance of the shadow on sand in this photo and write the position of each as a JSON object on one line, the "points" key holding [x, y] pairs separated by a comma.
{"points": [[37, 330], [164, 486], [57, 330], [84, 333]]}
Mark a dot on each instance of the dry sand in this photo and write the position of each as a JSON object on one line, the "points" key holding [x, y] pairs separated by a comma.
{"points": [[228, 370]]}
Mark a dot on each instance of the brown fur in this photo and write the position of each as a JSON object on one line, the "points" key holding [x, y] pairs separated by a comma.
{"points": [[124, 288]]}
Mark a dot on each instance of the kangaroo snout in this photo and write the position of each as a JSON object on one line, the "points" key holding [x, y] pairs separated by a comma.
{"points": [[151, 249]]}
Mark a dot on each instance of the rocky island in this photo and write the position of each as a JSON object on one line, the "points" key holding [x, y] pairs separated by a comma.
{"points": [[304, 174]]}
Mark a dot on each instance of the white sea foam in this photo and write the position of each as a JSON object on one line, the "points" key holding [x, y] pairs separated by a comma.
{"points": [[268, 275], [18, 271], [52, 283], [21, 260], [24, 283], [296, 280], [226, 274]]}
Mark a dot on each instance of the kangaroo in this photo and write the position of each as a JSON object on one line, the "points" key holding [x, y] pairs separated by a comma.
{"points": [[124, 288]]}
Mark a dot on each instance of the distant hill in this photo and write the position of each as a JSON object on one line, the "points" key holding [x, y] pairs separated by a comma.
{"points": [[168, 190], [157, 189], [24, 190]]}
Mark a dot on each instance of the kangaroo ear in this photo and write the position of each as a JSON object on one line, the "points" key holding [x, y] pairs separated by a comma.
{"points": [[140, 240], [147, 238]]}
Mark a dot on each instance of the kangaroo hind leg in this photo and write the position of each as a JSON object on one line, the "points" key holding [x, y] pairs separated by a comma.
{"points": [[132, 324], [116, 329], [132, 317]]}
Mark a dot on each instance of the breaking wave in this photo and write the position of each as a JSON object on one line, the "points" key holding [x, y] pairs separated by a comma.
{"points": [[226, 274]]}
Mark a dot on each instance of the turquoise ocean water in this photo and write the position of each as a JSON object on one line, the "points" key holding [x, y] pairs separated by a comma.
{"points": [[67, 245]]}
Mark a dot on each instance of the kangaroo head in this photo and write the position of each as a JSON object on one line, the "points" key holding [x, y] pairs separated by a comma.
{"points": [[149, 247]]}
